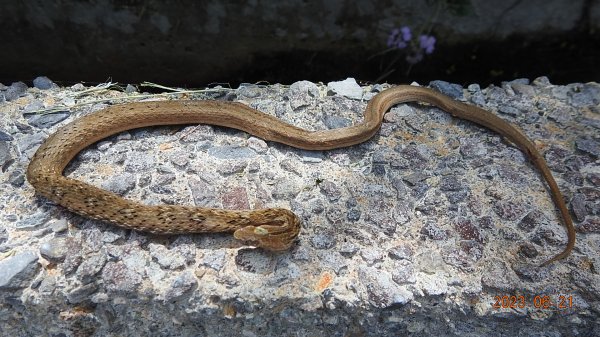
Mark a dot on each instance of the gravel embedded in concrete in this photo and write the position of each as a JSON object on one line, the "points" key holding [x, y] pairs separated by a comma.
{"points": [[416, 230]]}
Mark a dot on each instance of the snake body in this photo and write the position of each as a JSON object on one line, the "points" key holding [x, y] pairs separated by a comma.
{"points": [[274, 228]]}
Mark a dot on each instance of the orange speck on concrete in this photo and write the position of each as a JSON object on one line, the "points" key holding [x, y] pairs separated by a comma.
{"points": [[324, 281], [165, 146]]}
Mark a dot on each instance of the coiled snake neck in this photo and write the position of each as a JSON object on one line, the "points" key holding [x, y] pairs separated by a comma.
{"points": [[273, 228]]}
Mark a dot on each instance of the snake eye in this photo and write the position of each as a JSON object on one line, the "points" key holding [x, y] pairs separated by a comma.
{"points": [[261, 231]]}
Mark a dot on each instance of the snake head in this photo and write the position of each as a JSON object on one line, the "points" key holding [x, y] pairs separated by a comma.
{"points": [[277, 230]]}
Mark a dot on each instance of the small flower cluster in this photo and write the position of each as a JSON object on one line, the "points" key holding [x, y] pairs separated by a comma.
{"points": [[400, 38]]}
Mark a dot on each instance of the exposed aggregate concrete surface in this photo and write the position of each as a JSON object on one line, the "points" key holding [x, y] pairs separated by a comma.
{"points": [[435, 226]]}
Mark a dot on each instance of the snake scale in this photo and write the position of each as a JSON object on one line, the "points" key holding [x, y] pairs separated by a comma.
{"points": [[273, 228]]}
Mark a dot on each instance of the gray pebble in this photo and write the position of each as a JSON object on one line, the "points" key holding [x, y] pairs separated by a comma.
{"points": [[291, 165], [17, 271], [136, 163], [451, 183], [181, 285], [401, 252], [285, 272], [179, 159], [522, 81], [378, 170], [78, 87], [474, 87], [467, 230], [113, 234], [3, 235], [253, 167], [231, 152], [162, 184], [532, 220], [165, 169], [130, 89], [416, 158], [586, 95], [249, 90], [47, 284], [73, 258], [465, 255], [215, 259], [434, 232], [285, 189], [560, 92], [43, 83], [256, 261], [54, 250], [336, 122], [472, 148], [311, 156], [323, 240], [542, 81], [335, 214], [47, 120], [16, 178], [173, 258], [509, 210], [203, 193], [478, 98], [347, 87], [499, 277], [589, 146], [15, 90], [100, 298], [382, 291], [371, 255], [34, 221], [528, 250], [5, 137], [332, 260], [82, 293], [30, 141], [382, 156], [403, 273], [90, 266], [523, 89], [509, 110], [415, 178], [379, 216], [316, 206], [302, 93], [578, 204], [301, 253], [528, 273], [449, 89], [348, 249], [351, 202], [330, 189], [120, 184], [257, 144], [90, 155], [118, 278], [353, 214], [196, 134], [232, 167]]}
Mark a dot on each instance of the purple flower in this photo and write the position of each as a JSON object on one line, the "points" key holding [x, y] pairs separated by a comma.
{"points": [[427, 42], [406, 35], [393, 37], [401, 44], [399, 37]]}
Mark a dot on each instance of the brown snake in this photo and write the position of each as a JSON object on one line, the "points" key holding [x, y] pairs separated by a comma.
{"points": [[273, 228]]}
